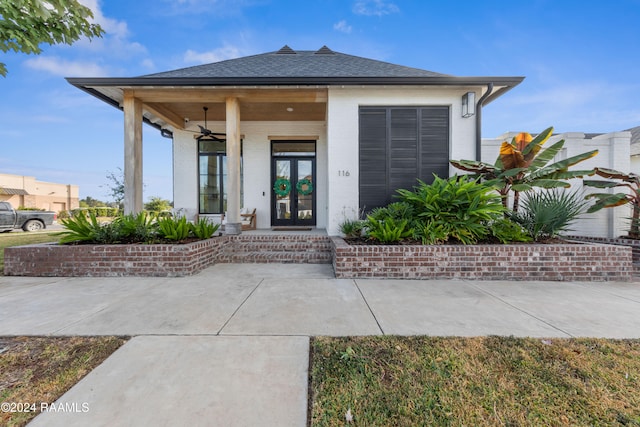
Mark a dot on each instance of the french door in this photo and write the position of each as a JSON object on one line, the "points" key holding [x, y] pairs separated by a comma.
{"points": [[293, 188]]}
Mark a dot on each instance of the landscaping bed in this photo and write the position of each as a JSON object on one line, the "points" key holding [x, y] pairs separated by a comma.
{"points": [[525, 261]]}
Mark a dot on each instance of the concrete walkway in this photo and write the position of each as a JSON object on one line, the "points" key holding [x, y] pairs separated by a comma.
{"points": [[229, 346]]}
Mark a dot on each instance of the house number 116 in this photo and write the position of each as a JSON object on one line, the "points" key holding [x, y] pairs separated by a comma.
{"points": [[343, 173]]}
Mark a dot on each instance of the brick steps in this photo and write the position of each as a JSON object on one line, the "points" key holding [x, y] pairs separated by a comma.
{"points": [[311, 249]]}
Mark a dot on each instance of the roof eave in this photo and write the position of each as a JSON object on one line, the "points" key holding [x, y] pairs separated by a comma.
{"points": [[288, 81]]}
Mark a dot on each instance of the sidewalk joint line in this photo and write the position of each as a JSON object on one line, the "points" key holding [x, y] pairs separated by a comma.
{"points": [[239, 307], [355, 282], [518, 308]]}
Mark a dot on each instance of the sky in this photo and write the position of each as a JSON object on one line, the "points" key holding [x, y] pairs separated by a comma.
{"points": [[580, 59]]}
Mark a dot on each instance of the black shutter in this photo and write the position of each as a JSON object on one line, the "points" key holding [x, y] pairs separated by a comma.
{"points": [[403, 152], [434, 143], [373, 157], [397, 146]]}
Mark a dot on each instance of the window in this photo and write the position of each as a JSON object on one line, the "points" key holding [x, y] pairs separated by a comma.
{"points": [[398, 145], [212, 171]]}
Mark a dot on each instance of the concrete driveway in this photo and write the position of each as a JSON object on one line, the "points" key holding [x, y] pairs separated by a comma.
{"points": [[229, 346]]}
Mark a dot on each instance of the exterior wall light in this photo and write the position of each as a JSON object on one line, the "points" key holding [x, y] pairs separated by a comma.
{"points": [[468, 104]]}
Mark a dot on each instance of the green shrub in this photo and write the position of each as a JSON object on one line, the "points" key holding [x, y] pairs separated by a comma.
{"points": [[430, 233], [352, 228], [395, 210], [459, 208], [81, 229], [140, 228], [388, 230], [506, 231], [204, 229], [63, 215], [174, 229], [548, 213]]}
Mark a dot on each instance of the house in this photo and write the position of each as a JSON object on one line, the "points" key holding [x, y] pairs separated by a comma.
{"points": [[307, 138], [26, 191]]}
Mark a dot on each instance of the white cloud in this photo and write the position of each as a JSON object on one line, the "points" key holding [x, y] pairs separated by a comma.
{"points": [[374, 8], [64, 68], [115, 41], [342, 26], [215, 55]]}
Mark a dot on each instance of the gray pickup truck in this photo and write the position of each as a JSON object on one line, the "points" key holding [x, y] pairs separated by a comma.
{"points": [[27, 220]]}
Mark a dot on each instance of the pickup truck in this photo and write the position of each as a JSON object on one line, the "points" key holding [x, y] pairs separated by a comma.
{"points": [[27, 220]]}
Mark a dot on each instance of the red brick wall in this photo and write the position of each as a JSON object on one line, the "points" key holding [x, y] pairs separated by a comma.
{"points": [[633, 244], [163, 259], [592, 262], [111, 260], [488, 262]]}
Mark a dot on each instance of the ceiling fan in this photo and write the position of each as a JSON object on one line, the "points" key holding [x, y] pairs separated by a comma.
{"points": [[206, 133]]}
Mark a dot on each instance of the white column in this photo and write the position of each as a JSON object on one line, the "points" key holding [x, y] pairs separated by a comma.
{"points": [[234, 224], [132, 154]]}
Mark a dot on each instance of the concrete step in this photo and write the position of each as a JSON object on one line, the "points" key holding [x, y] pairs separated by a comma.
{"points": [[277, 257], [312, 249]]}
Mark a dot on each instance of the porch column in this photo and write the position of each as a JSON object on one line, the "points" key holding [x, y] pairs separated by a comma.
{"points": [[234, 224], [132, 154]]}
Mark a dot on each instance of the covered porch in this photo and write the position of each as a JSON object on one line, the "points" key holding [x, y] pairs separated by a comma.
{"points": [[260, 136]]}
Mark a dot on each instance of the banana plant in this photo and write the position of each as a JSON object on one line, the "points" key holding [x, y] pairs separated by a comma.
{"points": [[522, 165], [608, 200]]}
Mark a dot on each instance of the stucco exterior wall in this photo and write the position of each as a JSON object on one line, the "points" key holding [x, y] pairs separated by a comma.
{"points": [[256, 166], [40, 195], [342, 136], [614, 153]]}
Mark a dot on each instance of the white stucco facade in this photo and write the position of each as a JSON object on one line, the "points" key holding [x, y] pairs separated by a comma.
{"points": [[337, 157]]}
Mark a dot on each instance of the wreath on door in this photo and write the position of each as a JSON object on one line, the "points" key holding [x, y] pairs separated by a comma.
{"points": [[304, 187], [282, 187]]}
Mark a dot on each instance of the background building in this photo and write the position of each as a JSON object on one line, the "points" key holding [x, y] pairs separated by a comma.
{"points": [[26, 191]]}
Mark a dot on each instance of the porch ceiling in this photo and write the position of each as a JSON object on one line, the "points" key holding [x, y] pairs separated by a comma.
{"points": [[170, 106]]}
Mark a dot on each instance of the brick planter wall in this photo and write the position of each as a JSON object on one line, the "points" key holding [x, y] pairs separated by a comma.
{"points": [[557, 262], [111, 260], [633, 244], [163, 259]]}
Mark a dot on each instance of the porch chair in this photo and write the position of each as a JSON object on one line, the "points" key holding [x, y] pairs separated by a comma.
{"points": [[248, 219]]}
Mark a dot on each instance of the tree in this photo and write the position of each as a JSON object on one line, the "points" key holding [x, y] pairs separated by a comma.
{"points": [[26, 24], [523, 165], [90, 202], [157, 204], [117, 186]]}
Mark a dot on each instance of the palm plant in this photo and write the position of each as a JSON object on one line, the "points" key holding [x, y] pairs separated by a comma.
{"points": [[608, 200], [522, 165], [546, 214]]}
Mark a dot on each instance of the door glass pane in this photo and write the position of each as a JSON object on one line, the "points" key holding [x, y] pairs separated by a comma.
{"points": [[282, 188], [209, 184], [298, 148], [304, 189]]}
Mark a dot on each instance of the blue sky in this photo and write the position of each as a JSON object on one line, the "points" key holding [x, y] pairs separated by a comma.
{"points": [[580, 60]]}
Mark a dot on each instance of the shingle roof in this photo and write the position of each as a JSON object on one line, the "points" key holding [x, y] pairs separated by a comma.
{"points": [[300, 63]]}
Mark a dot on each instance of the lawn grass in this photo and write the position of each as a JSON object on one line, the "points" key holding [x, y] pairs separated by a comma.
{"points": [[19, 239], [485, 381], [36, 370]]}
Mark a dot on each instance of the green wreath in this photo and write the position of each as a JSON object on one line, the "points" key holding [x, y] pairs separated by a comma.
{"points": [[282, 187], [300, 186]]}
